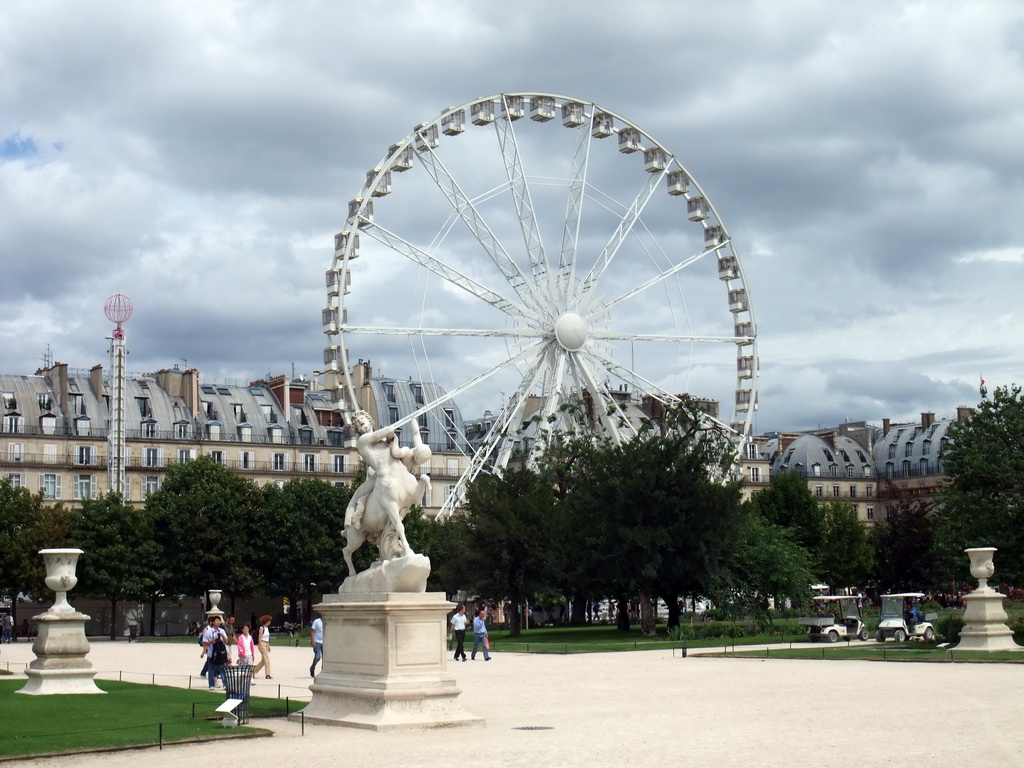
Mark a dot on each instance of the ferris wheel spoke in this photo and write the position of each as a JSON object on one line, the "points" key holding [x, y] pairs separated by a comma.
{"points": [[669, 337], [471, 217], [613, 366], [622, 231], [404, 248], [599, 398], [452, 394], [675, 268], [499, 429], [573, 212], [507, 333], [524, 204]]}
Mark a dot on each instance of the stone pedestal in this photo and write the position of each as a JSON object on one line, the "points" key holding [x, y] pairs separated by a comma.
{"points": [[60, 647], [385, 664], [985, 623]]}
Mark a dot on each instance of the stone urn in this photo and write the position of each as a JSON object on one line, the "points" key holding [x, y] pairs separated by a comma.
{"points": [[982, 566], [60, 575], [215, 595]]}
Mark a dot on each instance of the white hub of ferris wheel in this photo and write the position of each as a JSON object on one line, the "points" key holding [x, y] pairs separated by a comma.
{"points": [[624, 310]]}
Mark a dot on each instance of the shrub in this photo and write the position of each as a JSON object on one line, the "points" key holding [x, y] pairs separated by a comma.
{"points": [[949, 628]]}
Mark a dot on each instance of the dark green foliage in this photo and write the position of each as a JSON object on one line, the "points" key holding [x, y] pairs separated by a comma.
{"points": [[120, 555], [787, 502], [983, 506], [299, 552], [847, 553], [205, 518], [905, 559], [26, 526]]}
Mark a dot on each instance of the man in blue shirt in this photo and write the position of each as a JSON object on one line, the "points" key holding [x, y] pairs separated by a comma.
{"points": [[480, 635]]}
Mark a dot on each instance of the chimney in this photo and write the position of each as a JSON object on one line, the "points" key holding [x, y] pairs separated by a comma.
{"points": [[927, 419], [96, 381], [885, 427], [963, 413]]}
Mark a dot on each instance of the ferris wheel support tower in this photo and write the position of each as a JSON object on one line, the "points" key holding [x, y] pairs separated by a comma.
{"points": [[117, 309]]}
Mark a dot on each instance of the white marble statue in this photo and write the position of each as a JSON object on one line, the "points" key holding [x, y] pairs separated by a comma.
{"points": [[379, 505]]}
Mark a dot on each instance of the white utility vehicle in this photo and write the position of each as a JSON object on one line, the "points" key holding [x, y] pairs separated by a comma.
{"points": [[837, 617], [900, 619]]}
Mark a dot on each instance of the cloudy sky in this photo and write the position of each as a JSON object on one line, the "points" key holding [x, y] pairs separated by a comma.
{"points": [[867, 158]]}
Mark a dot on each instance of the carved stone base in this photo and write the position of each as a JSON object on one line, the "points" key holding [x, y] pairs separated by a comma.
{"points": [[385, 664], [985, 623], [60, 665], [401, 574]]}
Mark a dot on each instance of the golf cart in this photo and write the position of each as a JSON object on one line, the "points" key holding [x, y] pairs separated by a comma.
{"points": [[824, 624], [900, 620]]}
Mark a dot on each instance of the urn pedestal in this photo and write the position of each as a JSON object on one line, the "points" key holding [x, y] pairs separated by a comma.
{"points": [[985, 619], [385, 664], [60, 646]]}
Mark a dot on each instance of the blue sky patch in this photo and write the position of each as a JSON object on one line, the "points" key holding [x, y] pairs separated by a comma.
{"points": [[15, 147]]}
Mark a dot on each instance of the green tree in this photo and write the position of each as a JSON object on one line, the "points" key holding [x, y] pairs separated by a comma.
{"points": [[503, 545], [847, 553], [120, 555], [983, 506], [766, 563], [904, 544], [787, 502], [659, 508], [27, 525], [304, 554], [206, 522]]}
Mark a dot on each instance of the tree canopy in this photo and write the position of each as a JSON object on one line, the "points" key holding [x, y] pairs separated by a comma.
{"points": [[983, 505]]}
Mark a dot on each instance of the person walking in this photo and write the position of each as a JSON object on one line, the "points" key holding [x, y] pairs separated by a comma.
{"points": [[316, 637], [246, 647], [232, 633], [8, 627], [458, 623], [263, 643], [480, 635], [216, 650]]}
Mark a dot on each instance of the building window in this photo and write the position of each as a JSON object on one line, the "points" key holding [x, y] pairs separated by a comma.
{"points": [[449, 418], [49, 484], [417, 393], [867, 470], [84, 454], [181, 430], [835, 491], [246, 460], [338, 462], [15, 451], [871, 513], [750, 448], [449, 441], [152, 457], [245, 433], [144, 410], [816, 469], [150, 485], [908, 449], [276, 434], [906, 469], [213, 431], [149, 429], [185, 455], [279, 462], [76, 403], [392, 414], [15, 479], [833, 470], [755, 474], [309, 462], [13, 423], [819, 491], [926, 447], [217, 456], [892, 451], [85, 487], [869, 491], [334, 437], [10, 401], [389, 390], [849, 470], [853, 491]]}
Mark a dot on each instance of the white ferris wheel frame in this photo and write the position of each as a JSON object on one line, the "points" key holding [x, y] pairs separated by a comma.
{"points": [[552, 307]]}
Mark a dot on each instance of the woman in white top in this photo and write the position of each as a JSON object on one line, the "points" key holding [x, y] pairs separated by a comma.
{"points": [[263, 643]]}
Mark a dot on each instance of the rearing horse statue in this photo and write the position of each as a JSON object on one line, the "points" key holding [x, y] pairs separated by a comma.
{"points": [[378, 506]]}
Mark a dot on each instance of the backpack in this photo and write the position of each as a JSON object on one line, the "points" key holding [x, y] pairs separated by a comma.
{"points": [[218, 651]]}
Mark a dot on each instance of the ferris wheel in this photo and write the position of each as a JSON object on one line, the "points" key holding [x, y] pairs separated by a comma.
{"points": [[523, 264]]}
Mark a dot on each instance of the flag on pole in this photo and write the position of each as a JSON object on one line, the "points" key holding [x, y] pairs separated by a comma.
{"points": [[982, 388]]}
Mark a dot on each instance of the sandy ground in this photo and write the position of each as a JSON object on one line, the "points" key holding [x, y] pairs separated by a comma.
{"points": [[645, 708]]}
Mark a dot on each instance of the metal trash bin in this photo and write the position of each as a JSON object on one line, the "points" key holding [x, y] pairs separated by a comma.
{"points": [[237, 681]]}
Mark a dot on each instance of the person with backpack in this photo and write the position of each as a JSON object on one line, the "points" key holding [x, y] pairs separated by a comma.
{"points": [[216, 649]]}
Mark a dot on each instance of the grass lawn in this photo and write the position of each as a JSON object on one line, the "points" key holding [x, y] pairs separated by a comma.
{"points": [[603, 637], [128, 715], [883, 652]]}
